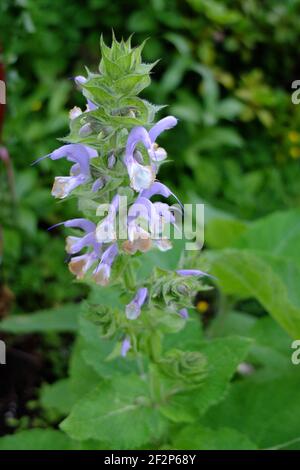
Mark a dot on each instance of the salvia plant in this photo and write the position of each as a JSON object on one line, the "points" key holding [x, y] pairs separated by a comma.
{"points": [[139, 332]]}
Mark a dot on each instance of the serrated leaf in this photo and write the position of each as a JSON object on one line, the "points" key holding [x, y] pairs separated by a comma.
{"points": [[97, 93], [223, 356], [118, 412], [110, 67], [131, 84]]}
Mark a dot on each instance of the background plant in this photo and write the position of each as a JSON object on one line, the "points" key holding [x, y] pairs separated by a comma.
{"points": [[236, 147]]}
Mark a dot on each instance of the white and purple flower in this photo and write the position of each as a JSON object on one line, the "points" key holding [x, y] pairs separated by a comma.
{"points": [[147, 221], [80, 155], [125, 346], [106, 229], [142, 176], [79, 265], [133, 309], [102, 273]]}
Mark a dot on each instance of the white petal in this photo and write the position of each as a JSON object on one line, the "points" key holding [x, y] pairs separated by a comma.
{"points": [[141, 177]]}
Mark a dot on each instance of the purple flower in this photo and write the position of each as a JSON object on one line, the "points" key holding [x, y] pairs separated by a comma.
{"points": [[80, 155], [102, 273], [126, 345], [81, 80], [184, 313], [85, 130], [98, 184], [161, 126], [158, 189], [156, 215], [76, 244], [79, 265], [133, 309], [75, 112], [142, 176], [191, 272]]}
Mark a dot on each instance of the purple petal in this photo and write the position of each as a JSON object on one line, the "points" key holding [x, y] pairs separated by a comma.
{"points": [[109, 254], [126, 345], [156, 189], [64, 185], [85, 130], [80, 80], [114, 205], [91, 106], [84, 224], [141, 296], [70, 151], [102, 274], [159, 189], [191, 272], [77, 153], [184, 313], [136, 135], [136, 210], [133, 309], [162, 125], [76, 244], [98, 184]]}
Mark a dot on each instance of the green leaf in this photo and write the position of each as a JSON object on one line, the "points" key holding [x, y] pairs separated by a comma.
{"points": [[223, 356], [96, 349], [83, 378], [191, 335], [222, 233], [96, 90], [272, 281], [199, 437], [232, 323], [109, 67], [270, 353], [132, 84], [58, 396], [267, 411], [118, 412], [36, 439], [59, 319], [277, 234]]}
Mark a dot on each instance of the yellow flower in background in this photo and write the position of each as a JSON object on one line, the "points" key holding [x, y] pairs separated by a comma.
{"points": [[36, 105], [202, 306], [294, 137], [295, 152]]}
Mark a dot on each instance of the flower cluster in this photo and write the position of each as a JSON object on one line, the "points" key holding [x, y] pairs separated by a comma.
{"points": [[113, 150]]}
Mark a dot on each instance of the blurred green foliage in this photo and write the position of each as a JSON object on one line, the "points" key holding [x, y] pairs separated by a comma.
{"points": [[237, 144], [226, 71]]}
